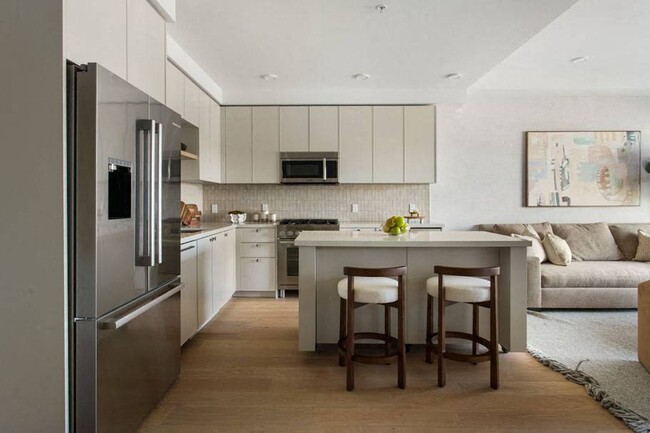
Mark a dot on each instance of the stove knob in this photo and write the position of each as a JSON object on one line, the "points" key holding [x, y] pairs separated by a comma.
{"points": [[289, 233], [282, 233]]}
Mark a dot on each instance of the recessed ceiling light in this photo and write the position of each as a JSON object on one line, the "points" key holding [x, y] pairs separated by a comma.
{"points": [[454, 76], [361, 77], [381, 8], [269, 77], [580, 59]]}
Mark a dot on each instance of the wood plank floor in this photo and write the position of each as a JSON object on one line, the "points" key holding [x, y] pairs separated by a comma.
{"points": [[243, 373]]}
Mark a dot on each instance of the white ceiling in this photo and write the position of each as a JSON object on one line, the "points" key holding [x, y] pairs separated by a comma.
{"points": [[315, 46], [614, 34]]}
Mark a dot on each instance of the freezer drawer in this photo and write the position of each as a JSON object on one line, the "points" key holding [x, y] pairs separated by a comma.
{"points": [[127, 362]]}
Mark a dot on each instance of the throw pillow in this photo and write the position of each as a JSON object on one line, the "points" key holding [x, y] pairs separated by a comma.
{"points": [[535, 250], [557, 249], [643, 250], [627, 237], [530, 231], [507, 229], [589, 242]]}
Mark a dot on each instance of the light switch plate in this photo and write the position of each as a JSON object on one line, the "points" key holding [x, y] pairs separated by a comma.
{"points": [[265, 208], [214, 208], [355, 208], [412, 207]]}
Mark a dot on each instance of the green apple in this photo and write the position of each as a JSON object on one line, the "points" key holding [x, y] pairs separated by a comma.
{"points": [[399, 221], [395, 231]]}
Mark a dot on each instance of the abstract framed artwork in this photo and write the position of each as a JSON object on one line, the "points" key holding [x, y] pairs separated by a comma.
{"points": [[583, 168]]}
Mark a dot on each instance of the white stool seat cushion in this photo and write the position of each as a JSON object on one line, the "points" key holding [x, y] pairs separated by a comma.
{"points": [[461, 289], [370, 290]]}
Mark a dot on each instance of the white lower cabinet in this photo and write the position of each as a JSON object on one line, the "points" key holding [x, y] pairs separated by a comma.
{"points": [[189, 294], [257, 259], [208, 269]]}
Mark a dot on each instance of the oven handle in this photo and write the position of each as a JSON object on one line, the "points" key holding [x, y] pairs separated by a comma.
{"points": [[285, 242]]}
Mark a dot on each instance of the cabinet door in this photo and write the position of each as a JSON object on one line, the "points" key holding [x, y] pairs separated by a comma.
{"points": [[174, 97], [146, 49], [355, 154], [213, 173], [257, 235], [420, 144], [258, 274], [230, 258], [204, 280], [266, 160], [191, 106], [388, 144], [239, 145], [294, 129], [223, 145], [324, 129], [204, 136], [95, 31], [189, 294], [218, 277]]}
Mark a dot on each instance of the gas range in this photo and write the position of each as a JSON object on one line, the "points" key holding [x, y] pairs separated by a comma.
{"points": [[290, 228]]}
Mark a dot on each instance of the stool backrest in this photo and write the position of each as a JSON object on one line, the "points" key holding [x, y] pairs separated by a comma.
{"points": [[467, 272], [374, 272]]}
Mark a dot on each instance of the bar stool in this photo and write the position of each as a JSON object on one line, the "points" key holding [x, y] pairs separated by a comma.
{"points": [[372, 286], [464, 285]]}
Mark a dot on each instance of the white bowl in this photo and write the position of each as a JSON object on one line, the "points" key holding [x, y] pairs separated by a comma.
{"points": [[241, 217], [233, 218]]}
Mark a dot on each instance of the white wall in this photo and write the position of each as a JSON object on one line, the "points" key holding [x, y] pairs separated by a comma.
{"points": [[32, 257], [481, 156]]}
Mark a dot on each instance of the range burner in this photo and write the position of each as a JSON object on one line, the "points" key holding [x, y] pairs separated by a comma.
{"points": [[309, 221], [291, 228]]}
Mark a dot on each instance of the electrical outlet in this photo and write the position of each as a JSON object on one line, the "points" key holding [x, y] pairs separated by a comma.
{"points": [[355, 208], [412, 207], [214, 208], [265, 208]]}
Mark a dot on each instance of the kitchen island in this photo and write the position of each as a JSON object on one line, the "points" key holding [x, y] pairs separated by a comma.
{"points": [[323, 254]]}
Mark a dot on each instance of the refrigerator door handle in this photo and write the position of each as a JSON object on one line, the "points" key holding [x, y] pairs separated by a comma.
{"points": [[145, 192], [159, 145], [118, 322]]}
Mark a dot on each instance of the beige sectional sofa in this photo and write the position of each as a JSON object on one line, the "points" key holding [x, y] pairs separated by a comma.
{"points": [[602, 273]]}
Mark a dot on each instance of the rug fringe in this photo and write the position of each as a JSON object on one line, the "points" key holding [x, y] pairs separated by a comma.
{"points": [[633, 420]]}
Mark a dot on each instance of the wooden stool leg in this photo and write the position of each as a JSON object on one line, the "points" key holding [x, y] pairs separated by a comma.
{"points": [[429, 343], [387, 330], [401, 340], [349, 346], [474, 329], [441, 333], [341, 328], [494, 336]]}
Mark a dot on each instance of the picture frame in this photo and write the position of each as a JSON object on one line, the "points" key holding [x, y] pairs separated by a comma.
{"points": [[583, 168]]}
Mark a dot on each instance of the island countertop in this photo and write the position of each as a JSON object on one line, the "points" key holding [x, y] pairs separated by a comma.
{"points": [[423, 239]]}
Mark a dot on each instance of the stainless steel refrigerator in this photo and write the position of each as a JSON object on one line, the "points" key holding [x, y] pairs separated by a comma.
{"points": [[124, 243]]}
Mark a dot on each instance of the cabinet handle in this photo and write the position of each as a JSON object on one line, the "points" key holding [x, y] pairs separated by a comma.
{"points": [[257, 260], [257, 230], [188, 248], [225, 235], [257, 245]]}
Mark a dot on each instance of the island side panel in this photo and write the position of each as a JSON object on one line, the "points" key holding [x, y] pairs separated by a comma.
{"points": [[307, 300], [330, 263], [459, 316], [513, 299]]}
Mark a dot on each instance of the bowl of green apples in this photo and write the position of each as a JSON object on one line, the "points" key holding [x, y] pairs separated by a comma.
{"points": [[395, 225]]}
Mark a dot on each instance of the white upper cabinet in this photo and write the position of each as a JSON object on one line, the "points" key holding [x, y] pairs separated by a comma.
{"points": [[204, 135], [355, 146], [95, 31], [266, 145], [175, 89], [239, 145], [324, 128], [213, 173], [388, 144], [420, 144], [191, 98], [294, 129], [146, 49]]}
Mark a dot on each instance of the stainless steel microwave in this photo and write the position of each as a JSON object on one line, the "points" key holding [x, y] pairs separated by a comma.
{"points": [[309, 167]]}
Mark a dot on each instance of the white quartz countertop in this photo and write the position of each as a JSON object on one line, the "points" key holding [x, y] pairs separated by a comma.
{"points": [[419, 238], [212, 228], [371, 225]]}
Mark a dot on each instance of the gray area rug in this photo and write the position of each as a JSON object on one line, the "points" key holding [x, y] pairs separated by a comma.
{"points": [[597, 349]]}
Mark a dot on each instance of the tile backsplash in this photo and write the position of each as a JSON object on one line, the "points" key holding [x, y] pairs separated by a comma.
{"points": [[376, 202], [192, 193]]}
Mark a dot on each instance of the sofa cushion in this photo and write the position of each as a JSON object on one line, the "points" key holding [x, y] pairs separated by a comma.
{"points": [[643, 250], [626, 237], [595, 274], [557, 249], [536, 249], [589, 241], [519, 229]]}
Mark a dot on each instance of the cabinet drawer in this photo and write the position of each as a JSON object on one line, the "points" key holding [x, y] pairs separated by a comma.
{"points": [[258, 235], [259, 249], [258, 274]]}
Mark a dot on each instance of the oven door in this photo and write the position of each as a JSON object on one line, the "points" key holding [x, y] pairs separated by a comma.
{"points": [[287, 265]]}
